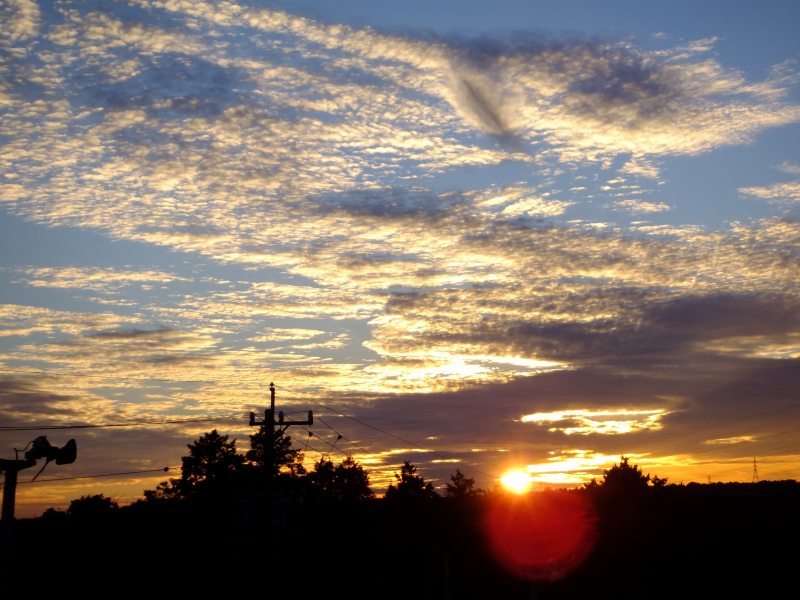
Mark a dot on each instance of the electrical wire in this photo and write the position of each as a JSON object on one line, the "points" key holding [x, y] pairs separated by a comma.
{"points": [[365, 424], [753, 417], [717, 424], [385, 432], [161, 470], [650, 438], [678, 441], [20, 373], [332, 446], [758, 445], [313, 449], [365, 451], [128, 424]]}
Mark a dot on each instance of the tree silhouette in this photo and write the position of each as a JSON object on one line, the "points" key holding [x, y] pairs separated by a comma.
{"points": [[211, 465], [461, 486], [353, 480], [166, 490], [322, 477], [91, 506], [624, 481], [54, 514], [345, 482], [410, 485], [273, 452], [624, 476], [657, 482]]}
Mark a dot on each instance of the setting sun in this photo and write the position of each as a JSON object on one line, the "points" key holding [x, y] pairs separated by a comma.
{"points": [[516, 481]]}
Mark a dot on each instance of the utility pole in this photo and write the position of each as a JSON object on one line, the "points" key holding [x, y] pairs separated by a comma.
{"points": [[39, 448], [273, 428], [11, 467]]}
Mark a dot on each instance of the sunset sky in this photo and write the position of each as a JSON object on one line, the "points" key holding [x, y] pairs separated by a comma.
{"points": [[483, 235]]}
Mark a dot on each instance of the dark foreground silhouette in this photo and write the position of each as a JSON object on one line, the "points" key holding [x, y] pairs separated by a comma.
{"points": [[231, 524]]}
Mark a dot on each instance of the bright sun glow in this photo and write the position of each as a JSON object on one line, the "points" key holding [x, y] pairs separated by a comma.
{"points": [[517, 481]]}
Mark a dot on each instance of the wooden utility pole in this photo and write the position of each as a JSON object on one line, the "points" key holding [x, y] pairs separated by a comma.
{"points": [[273, 427], [40, 448], [10, 468]]}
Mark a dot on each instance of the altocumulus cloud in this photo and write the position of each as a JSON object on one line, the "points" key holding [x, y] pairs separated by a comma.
{"points": [[149, 124]]}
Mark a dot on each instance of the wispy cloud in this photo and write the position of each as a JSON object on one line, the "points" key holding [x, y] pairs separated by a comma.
{"points": [[731, 440], [606, 421], [92, 278], [19, 320], [639, 206], [787, 192]]}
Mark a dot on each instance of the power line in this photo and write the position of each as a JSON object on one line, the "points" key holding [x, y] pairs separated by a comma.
{"points": [[103, 376], [375, 427], [695, 447], [679, 439], [331, 444], [313, 449], [365, 451], [387, 433], [753, 417], [357, 420], [128, 424], [161, 470], [718, 424]]}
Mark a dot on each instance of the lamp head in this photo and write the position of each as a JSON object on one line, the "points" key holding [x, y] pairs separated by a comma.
{"points": [[41, 448]]}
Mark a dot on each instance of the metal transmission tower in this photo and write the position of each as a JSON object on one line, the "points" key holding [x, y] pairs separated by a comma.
{"points": [[273, 427], [755, 470]]}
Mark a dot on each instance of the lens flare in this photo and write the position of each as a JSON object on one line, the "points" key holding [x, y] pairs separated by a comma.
{"points": [[516, 481], [541, 536]]}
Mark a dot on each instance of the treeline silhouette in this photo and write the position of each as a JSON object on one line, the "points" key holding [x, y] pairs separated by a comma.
{"points": [[258, 522]]}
